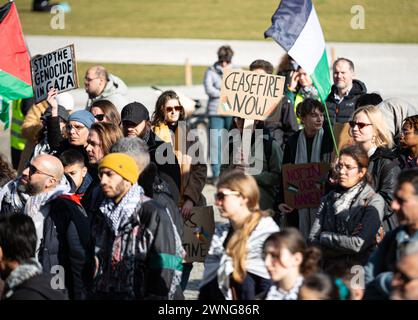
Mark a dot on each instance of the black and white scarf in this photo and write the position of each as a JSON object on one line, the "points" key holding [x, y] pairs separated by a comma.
{"points": [[277, 293]]}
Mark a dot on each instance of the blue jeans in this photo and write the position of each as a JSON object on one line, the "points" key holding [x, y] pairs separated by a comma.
{"points": [[217, 123]]}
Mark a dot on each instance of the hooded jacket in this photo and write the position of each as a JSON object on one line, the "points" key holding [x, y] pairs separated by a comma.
{"points": [[336, 233], [27, 282], [395, 111], [343, 110], [142, 259], [114, 91], [63, 233]]}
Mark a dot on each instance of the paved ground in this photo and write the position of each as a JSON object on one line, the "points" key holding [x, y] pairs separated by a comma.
{"points": [[390, 69]]}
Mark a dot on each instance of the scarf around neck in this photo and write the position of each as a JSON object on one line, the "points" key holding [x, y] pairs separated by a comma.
{"points": [[117, 214], [277, 293], [301, 148], [26, 270]]}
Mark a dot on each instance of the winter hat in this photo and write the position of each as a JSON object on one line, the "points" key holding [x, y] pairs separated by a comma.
{"points": [[62, 113], [122, 164], [135, 112], [83, 117], [66, 100]]}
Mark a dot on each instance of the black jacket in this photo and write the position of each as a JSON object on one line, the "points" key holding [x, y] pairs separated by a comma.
{"points": [[342, 111], [160, 149], [384, 169], [57, 142], [37, 288], [65, 238]]}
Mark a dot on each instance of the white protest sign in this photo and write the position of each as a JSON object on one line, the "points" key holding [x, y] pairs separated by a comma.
{"points": [[57, 69], [250, 95]]}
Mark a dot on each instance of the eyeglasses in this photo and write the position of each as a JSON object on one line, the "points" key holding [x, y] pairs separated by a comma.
{"points": [[220, 196], [360, 125], [90, 79], [340, 167], [177, 108], [404, 277], [77, 127], [33, 170], [100, 117]]}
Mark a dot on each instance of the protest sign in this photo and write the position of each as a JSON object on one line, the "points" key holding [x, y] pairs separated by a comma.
{"points": [[304, 184], [198, 232], [250, 95], [57, 69]]}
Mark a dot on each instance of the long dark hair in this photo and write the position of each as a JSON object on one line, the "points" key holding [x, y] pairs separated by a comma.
{"points": [[360, 157], [159, 113]]}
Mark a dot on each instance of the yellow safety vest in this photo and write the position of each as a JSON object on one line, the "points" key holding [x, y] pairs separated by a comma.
{"points": [[16, 140]]}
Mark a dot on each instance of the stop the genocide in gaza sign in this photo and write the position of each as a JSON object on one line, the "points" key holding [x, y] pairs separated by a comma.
{"points": [[250, 95], [56, 69]]}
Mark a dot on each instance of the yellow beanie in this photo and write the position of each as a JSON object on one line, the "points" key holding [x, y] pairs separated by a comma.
{"points": [[122, 164]]}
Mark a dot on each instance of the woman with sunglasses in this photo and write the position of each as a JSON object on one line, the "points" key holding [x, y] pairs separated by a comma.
{"points": [[311, 144], [370, 132], [105, 111], [408, 149], [288, 260], [234, 266], [349, 217], [169, 126]]}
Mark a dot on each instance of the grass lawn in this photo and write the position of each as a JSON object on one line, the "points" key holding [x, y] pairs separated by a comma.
{"points": [[144, 75], [385, 20]]}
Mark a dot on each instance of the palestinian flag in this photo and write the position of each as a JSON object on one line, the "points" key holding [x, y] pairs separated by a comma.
{"points": [[15, 74], [296, 28]]}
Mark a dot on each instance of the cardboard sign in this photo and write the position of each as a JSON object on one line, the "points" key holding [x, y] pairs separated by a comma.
{"points": [[56, 69], [250, 95], [304, 184], [198, 232]]}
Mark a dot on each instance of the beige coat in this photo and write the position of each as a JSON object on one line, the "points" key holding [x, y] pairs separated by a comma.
{"points": [[193, 175], [31, 127]]}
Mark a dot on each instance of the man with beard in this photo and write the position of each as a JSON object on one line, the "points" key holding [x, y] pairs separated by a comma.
{"points": [[60, 221], [344, 93], [138, 252], [100, 85], [383, 262], [13, 195]]}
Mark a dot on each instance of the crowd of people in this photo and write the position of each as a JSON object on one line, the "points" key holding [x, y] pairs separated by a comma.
{"points": [[95, 202]]}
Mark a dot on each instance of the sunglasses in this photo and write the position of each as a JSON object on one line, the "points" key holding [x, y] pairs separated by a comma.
{"points": [[176, 108], [33, 170], [220, 196], [360, 125], [100, 117]]}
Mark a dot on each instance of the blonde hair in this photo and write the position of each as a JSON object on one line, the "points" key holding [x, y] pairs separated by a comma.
{"points": [[380, 126], [237, 245]]}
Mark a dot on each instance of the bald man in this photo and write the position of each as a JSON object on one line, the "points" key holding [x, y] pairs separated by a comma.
{"points": [[100, 85], [60, 221]]}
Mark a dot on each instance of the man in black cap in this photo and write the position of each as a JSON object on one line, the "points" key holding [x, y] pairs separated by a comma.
{"points": [[136, 123]]}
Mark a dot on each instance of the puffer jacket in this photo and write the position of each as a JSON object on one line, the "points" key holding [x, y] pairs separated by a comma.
{"points": [[142, 261], [115, 91], [343, 110], [349, 236], [384, 169], [212, 83]]}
